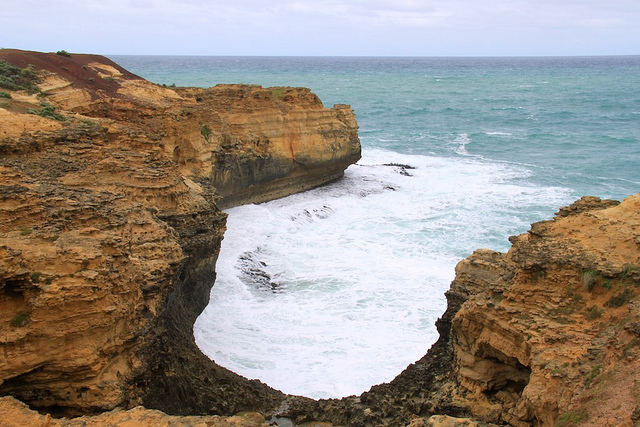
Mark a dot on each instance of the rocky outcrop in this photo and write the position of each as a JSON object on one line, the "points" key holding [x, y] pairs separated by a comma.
{"points": [[109, 234], [545, 334], [110, 226], [17, 414], [548, 334]]}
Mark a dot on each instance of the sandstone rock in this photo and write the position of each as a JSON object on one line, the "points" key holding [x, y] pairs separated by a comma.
{"points": [[17, 414], [535, 341], [109, 228], [109, 232]]}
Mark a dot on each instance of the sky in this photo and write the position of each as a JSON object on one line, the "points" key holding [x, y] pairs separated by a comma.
{"points": [[324, 27]]}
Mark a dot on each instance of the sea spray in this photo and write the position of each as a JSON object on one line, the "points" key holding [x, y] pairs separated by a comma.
{"points": [[329, 292]]}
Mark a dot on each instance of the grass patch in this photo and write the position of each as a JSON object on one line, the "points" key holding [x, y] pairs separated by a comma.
{"points": [[595, 371], [278, 92], [593, 313], [35, 278], [589, 279], [635, 342], [497, 297], [15, 78], [5, 95], [25, 231], [629, 269], [571, 418]]}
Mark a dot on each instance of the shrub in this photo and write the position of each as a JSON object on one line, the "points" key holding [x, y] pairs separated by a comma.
{"points": [[205, 132], [571, 418], [35, 278], [5, 95], [594, 313], [48, 111], [618, 300], [278, 92], [63, 53], [19, 320], [14, 78]]}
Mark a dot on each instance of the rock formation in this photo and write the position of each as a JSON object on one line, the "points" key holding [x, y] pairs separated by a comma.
{"points": [[110, 225], [109, 234]]}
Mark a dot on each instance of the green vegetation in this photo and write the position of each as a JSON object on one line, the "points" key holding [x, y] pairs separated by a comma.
{"points": [[63, 53], [14, 78], [205, 132], [595, 371], [5, 95], [25, 231], [35, 278], [589, 279], [629, 269], [619, 299], [278, 92], [571, 418], [497, 297], [20, 320], [635, 342], [48, 111], [594, 312]]}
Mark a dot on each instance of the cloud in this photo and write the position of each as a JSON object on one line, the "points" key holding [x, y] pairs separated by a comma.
{"points": [[327, 27]]}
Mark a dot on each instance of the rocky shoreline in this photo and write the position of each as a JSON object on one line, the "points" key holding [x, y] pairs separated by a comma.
{"points": [[110, 220]]}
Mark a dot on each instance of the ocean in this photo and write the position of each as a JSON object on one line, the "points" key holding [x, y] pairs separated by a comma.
{"points": [[331, 291]]}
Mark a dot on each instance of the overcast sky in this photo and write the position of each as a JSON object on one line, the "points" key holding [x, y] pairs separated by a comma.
{"points": [[324, 27]]}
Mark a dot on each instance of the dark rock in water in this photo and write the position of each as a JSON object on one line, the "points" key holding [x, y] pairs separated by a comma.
{"points": [[253, 274], [401, 168]]}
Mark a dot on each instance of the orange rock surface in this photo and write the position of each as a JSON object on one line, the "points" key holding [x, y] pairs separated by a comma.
{"points": [[110, 223], [551, 330], [109, 232]]}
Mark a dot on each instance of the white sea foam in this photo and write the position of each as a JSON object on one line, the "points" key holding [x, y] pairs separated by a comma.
{"points": [[460, 143], [499, 133], [329, 292]]}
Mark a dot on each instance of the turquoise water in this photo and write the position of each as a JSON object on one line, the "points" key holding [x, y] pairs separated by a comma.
{"points": [[353, 274], [574, 121]]}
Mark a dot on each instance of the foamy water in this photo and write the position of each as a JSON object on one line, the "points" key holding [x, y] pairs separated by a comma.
{"points": [[329, 292]]}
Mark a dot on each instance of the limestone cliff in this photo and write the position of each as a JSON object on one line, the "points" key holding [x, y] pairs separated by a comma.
{"points": [[110, 225], [545, 334], [109, 233], [550, 332]]}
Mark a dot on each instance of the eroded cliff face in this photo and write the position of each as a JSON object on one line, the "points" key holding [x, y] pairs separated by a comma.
{"points": [[545, 334], [550, 331], [109, 233], [110, 228]]}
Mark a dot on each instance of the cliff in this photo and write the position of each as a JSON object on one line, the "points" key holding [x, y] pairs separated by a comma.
{"points": [[547, 334], [109, 234], [110, 225]]}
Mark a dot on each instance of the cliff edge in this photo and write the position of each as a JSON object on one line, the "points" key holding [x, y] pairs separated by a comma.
{"points": [[110, 225], [547, 334], [109, 230]]}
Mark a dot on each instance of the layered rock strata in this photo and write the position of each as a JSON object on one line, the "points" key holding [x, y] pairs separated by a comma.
{"points": [[110, 225], [545, 334], [109, 237]]}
